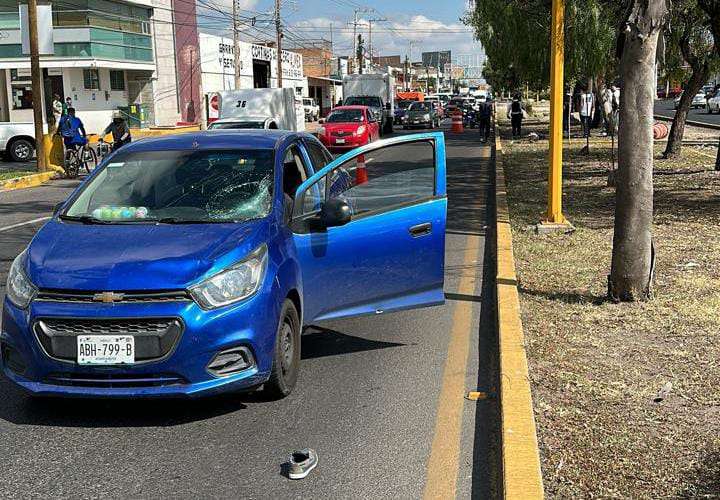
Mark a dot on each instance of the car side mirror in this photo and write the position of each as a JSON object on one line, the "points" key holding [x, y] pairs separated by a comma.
{"points": [[321, 121], [335, 212]]}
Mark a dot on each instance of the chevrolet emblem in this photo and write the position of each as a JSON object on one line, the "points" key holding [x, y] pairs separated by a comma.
{"points": [[108, 297]]}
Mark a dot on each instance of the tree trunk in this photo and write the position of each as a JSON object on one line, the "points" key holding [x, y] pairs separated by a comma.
{"points": [[677, 130], [633, 254]]}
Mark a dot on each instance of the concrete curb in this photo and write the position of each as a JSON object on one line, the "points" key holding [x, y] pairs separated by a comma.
{"points": [[26, 181], [522, 474], [694, 123]]}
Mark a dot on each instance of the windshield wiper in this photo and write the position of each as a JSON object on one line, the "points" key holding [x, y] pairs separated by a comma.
{"points": [[85, 219], [179, 220]]}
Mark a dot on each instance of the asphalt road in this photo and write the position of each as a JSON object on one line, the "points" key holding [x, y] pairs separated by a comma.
{"points": [[665, 107], [370, 394]]}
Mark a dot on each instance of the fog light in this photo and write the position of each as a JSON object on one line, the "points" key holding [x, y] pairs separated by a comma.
{"points": [[231, 361], [12, 359]]}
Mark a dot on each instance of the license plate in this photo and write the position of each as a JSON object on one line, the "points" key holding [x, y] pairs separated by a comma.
{"points": [[105, 349], [416, 121], [339, 141]]}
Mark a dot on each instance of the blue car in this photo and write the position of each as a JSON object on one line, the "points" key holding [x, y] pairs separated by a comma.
{"points": [[188, 264]]}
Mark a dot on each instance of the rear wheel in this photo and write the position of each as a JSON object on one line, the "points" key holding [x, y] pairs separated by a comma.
{"points": [[21, 150], [286, 360]]}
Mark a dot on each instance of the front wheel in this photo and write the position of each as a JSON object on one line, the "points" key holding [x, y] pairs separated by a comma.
{"points": [[90, 159], [286, 359]]}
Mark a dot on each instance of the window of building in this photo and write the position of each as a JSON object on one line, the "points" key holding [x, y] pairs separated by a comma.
{"points": [[22, 96], [91, 78], [117, 80]]}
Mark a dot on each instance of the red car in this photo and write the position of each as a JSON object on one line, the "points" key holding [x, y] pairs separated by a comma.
{"points": [[347, 127]]}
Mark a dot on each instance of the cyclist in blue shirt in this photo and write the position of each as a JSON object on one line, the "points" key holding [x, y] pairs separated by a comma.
{"points": [[72, 130]]}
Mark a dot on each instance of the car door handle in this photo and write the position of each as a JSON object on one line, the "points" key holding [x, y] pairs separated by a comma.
{"points": [[420, 230]]}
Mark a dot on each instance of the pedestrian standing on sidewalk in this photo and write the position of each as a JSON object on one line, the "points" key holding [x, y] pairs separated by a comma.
{"points": [[57, 109], [515, 112], [587, 110], [485, 115]]}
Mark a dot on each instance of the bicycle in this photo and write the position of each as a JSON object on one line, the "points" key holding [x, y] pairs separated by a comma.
{"points": [[77, 158], [103, 149]]}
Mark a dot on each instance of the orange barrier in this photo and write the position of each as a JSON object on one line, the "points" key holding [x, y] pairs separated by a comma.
{"points": [[660, 131], [457, 122], [361, 176]]}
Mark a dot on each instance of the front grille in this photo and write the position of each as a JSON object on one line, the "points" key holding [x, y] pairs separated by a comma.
{"points": [[341, 133], [114, 381], [154, 338], [127, 297]]}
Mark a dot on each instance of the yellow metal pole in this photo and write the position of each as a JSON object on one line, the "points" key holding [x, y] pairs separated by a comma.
{"points": [[557, 47]]}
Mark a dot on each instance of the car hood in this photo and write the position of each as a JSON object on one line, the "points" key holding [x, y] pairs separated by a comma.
{"points": [[72, 256], [417, 112]]}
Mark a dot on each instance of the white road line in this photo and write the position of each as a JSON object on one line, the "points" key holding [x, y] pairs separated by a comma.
{"points": [[20, 224]]}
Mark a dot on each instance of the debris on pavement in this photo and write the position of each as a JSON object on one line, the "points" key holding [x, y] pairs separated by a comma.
{"points": [[664, 392], [301, 463]]}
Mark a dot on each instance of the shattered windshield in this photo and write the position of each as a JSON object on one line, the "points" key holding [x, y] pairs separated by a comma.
{"points": [[178, 187]]}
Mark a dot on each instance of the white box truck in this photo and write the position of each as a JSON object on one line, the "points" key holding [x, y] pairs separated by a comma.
{"points": [[374, 90], [256, 108]]}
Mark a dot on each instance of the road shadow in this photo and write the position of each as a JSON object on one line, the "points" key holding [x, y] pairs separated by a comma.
{"points": [[319, 342]]}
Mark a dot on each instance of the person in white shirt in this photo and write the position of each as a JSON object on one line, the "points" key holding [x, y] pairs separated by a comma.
{"points": [[587, 111]]}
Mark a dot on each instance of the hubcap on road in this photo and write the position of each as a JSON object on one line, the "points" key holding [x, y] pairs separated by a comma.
{"points": [[287, 346]]}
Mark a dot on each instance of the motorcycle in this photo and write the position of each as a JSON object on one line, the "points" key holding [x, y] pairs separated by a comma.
{"points": [[470, 118]]}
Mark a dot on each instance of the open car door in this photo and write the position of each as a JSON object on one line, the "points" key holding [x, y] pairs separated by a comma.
{"points": [[369, 229]]}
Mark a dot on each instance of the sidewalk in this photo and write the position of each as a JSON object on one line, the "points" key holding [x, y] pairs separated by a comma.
{"points": [[596, 367]]}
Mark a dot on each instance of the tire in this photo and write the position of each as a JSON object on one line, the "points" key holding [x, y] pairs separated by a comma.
{"points": [[71, 165], [286, 358], [92, 162], [21, 150]]}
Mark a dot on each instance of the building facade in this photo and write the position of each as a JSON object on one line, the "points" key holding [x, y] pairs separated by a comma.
{"points": [[258, 66], [108, 55]]}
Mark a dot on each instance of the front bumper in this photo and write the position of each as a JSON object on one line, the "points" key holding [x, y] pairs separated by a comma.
{"points": [[182, 372], [351, 142]]}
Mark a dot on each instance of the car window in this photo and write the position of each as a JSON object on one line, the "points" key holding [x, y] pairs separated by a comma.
{"points": [[295, 171], [345, 116], [420, 106], [379, 180], [199, 186]]}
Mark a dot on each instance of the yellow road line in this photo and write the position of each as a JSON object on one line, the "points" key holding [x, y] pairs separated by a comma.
{"points": [[443, 464]]}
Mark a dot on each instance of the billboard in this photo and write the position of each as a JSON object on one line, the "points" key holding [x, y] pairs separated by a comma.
{"points": [[436, 59]]}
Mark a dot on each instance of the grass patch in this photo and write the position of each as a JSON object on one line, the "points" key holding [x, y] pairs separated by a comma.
{"points": [[12, 174], [596, 367]]}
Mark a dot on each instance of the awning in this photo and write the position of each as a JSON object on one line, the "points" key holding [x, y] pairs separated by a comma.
{"points": [[325, 79]]}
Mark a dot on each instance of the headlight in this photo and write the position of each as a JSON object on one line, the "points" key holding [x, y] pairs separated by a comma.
{"points": [[234, 284], [426, 116], [20, 289], [360, 130]]}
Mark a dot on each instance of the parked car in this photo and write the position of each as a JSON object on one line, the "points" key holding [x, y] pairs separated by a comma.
{"points": [[17, 140], [421, 114], [348, 127], [699, 101], [204, 254], [400, 110], [712, 105], [312, 110]]}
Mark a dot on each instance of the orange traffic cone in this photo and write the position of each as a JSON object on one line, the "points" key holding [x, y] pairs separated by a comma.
{"points": [[361, 176], [457, 122]]}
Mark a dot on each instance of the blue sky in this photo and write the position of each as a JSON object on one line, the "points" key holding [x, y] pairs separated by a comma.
{"points": [[419, 25]]}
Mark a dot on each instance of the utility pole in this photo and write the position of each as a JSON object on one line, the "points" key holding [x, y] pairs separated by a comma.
{"points": [[359, 54], [554, 214], [370, 21], [278, 32], [37, 86], [407, 74], [354, 24], [236, 44]]}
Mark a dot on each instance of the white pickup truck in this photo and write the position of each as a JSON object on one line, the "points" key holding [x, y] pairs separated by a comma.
{"points": [[18, 140]]}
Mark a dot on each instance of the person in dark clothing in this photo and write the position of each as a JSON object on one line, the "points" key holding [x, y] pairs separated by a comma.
{"points": [[119, 130], [485, 117], [515, 113]]}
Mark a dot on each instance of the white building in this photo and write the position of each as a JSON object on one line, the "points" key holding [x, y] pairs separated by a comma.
{"points": [[258, 66], [108, 54]]}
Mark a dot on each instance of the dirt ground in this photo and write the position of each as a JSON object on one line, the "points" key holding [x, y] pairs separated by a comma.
{"points": [[597, 368]]}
